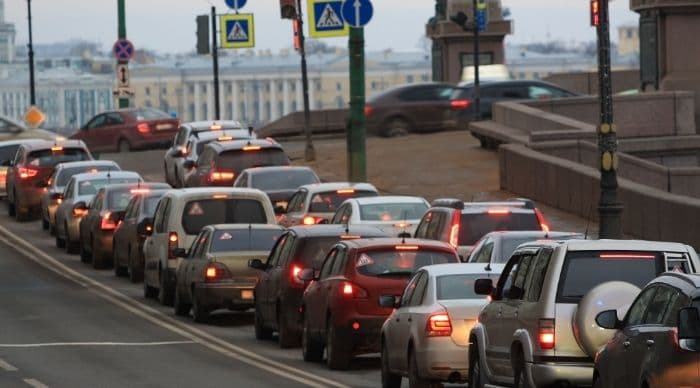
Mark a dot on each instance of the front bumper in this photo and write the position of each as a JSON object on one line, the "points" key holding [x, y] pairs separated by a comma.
{"points": [[440, 358], [225, 294], [545, 374]]}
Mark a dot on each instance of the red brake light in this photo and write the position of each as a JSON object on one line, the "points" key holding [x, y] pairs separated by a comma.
{"points": [[308, 220], [215, 271], [454, 230], [350, 290], [173, 240], [546, 334], [294, 280], [26, 173], [368, 110], [406, 247], [211, 273], [107, 222], [346, 191], [252, 148], [143, 128], [498, 212], [438, 325], [221, 176], [541, 220], [350, 237], [56, 149], [460, 104], [624, 256], [140, 191]]}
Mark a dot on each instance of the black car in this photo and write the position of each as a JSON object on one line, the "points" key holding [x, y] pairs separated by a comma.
{"points": [[279, 183]]}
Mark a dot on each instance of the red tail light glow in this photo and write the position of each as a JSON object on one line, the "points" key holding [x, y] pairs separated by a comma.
{"points": [[368, 110], [454, 229], [211, 273], [346, 191], [546, 337], [623, 256], [140, 191], [221, 176], [143, 128], [460, 104], [26, 173], [309, 220], [406, 247], [173, 240], [498, 212], [107, 222], [350, 290], [252, 148], [215, 271], [56, 149], [438, 325], [294, 280], [541, 220]]}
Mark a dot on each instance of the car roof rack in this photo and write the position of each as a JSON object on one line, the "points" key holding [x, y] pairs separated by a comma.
{"points": [[452, 203]]}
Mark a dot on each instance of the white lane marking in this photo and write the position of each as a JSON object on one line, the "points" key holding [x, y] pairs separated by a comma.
{"points": [[69, 344], [6, 366], [156, 317], [35, 383]]}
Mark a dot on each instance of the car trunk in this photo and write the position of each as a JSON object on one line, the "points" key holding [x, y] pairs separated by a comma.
{"points": [[463, 314], [237, 264], [375, 288]]}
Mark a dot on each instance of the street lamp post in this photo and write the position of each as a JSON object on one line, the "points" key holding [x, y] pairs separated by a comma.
{"points": [[309, 152], [30, 49], [477, 85]]}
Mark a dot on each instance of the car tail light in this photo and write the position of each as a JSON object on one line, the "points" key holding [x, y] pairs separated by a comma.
{"points": [[221, 176], [216, 271], [438, 325], [143, 128], [460, 104], [173, 240], [252, 148], [546, 334], [350, 290], [368, 110], [294, 280], [26, 173], [454, 229], [541, 220], [498, 212], [310, 220], [406, 247], [345, 191], [626, 256], [107, 222], [140, 191]]}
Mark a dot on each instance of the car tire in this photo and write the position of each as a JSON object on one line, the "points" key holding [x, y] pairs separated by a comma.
{"points": [[135, 274], [98, 260], [200, 314], [44, 223], [414, 378], [597, 382], [165, 296], [22, 215], [396, 126], [389, 379], [72, 247], [261, 332], [311, 349], [477, 377], [337, 358], [286, 337], [181, 308], [519, 379], [11, 209], [52, 229], [148, 291], [123, 146], [85, 256]]}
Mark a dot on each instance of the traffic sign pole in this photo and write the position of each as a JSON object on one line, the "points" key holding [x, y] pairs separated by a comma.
{"points": [[309, 152], [121, 12], [357, 159], [30, 49], [215, 60]]}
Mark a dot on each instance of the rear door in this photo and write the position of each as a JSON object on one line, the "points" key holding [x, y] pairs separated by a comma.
{"points": [[152, 247], [397, 326], [93, 134], [316, 295], [266, 287]]}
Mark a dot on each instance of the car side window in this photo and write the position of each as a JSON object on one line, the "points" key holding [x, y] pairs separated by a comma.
{"points": [[410, 289], [206, 158], [202, 245], [19, 156], [97, 122], [635, 315], [195, 246], [97, 202], [162, 215], [286, 251], [114, 119], [535, 282], [419, 292], [671, 318], [242, 181], [340, 261], [422, 228], [435, 226], [327, 267], [505, 282], [663, 299], [274, 256], [485, 253], [129, 211], [68, 191], [517, 290], [297, 203]]}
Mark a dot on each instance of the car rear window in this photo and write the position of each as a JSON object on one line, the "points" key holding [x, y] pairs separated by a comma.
{"points": [[202, 212], [475, 226], [150, 114], [8, 152], [244, 240], [330, 201], [585, 270], [282, 180], [66, 173], [392, 211], [50, 158], [91, 187], [394, 262], [150, 204], [239, 160], [119, 199], [451, 287]]}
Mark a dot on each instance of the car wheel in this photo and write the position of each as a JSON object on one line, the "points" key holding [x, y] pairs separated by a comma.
{"points": [[261, 332], [397, 127], [597, 381], [165, 296], [389, 379], [11, 209], [44, 223], [72, 247], [200, 313], [286, 337], [148, 291], [181, 308], [98, 261], [124, 146], [477, 377], [21, 215], [52, 229], [414, 379], [336, 357], [519, 380], [85, 256], [135, 274], [311, 349], [120, 270]]}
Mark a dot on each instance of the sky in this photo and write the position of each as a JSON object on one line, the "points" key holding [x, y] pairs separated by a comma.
{"points": [[168, 26]]}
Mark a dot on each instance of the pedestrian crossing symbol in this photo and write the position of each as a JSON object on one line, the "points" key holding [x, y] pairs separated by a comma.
{"points": [[326, 19], [237, 31]]}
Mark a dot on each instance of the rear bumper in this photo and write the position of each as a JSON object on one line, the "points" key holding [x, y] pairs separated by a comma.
{"points": [[365, 339], [439, 358], [28, 197], [73, 232], [544, 374], [230, 295]]}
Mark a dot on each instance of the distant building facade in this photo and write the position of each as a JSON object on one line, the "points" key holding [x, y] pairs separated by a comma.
{"points": [[628, 40]]}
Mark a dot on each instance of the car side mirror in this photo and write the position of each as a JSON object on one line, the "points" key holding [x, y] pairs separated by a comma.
{"points": [[7, 163], [145, 227], [307, 275], [608, 320], [189, 164], [257, 264], [483, 287], [515, 292], [389, 301], [180, 252]]}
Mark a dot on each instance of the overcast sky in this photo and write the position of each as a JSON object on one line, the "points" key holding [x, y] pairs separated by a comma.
{"points": [[169, 25]]}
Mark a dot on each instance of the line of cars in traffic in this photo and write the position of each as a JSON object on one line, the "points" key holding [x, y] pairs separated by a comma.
{"points": [[341, 271]]}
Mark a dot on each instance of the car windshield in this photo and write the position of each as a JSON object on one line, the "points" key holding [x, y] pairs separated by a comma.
{"points": [[91, 187], [282, 179], [392, 211], [451, 287], [394, 262], [475, 226], [244, 240], [585, 270], [330, 201], [50, 158], [202, 212], [66, 173], [239, 160], [8, 152]]}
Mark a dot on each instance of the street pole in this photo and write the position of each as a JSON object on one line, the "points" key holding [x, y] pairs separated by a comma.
{"points": [[477, 86], [30, 49], [609, 209], [309, 152], [121, 15], [215, 60], [357, 161]]}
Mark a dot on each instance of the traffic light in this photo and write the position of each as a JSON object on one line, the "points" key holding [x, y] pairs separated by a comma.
{"points": [[203, 34], [595, 13], [288, 9]]}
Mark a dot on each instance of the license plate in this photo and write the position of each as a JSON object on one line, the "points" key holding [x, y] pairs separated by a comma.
{"points": [[247, 294], [163, 127]]}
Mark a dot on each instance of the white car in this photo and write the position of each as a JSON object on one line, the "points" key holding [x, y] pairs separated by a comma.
{"points": [[178, 219], [395, 215], [426, 338], [190, 140]]}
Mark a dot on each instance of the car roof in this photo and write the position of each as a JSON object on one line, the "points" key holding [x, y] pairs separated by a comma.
{"points": [[34, 145], [688, 283], [211, 190], [391, 241], [139, 185], [265, 169], [333, 230], [203, 126], [387, 199], [613, 245], [219, 227], [88, 163], [463, 269], [105, 174], [538, 234], [330, 186], [240, 144]]}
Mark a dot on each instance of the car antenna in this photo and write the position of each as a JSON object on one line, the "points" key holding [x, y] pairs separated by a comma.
{"points": [[588, 222], [250, 236]]}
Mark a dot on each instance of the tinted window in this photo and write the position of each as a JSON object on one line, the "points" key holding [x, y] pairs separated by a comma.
{"points": [[392, 211], [421, 287], [584, 270], [427, 93], [8, 152], [203, 212], [119, 199], [635, 315], [240, 160], [92, 186], [474, 226], [664, 299], [312, 251], [67, 173], [508, 245], [201, 144], [49, 158], [282, 180], [329, 201], [244, 240], [392, 262], [457, 287]]}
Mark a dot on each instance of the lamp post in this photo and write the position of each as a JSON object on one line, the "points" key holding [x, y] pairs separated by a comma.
{"points": [[30, 49]]}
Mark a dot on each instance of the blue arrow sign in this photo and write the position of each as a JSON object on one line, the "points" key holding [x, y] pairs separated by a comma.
{"points": [[357, 13], [236, 4]]}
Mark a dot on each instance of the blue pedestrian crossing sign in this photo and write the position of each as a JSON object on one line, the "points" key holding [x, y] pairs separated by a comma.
{"points": [[237, 31], [326, 19]]}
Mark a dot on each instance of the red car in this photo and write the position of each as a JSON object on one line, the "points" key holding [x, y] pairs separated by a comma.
{"points": [[128, 129], [340, 307]]}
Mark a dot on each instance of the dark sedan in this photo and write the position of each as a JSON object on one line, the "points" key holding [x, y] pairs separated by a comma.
{"points": [[279, 182]]}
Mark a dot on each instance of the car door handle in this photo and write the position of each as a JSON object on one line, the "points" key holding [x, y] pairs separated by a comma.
{"points": [[410, 320], [626, 344], [650, 343], [398, 319]]}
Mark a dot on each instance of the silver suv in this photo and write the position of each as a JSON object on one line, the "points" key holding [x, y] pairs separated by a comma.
{"points": [[540, 327]]}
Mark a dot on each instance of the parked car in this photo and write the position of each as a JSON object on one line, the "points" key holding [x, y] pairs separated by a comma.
{"points": [[221, 161], [658, 343], [317, 203], [8, 150], [341, 309], [496, 247], [57, 183], [279, 183], [79, 192], [427, 336], [278, 291], [124, 130], [410, 108], [540, 327], [178, 219], [396, 215], [127, 246], [462, 224], [190, 141], [34, 162], [215, 274]]}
